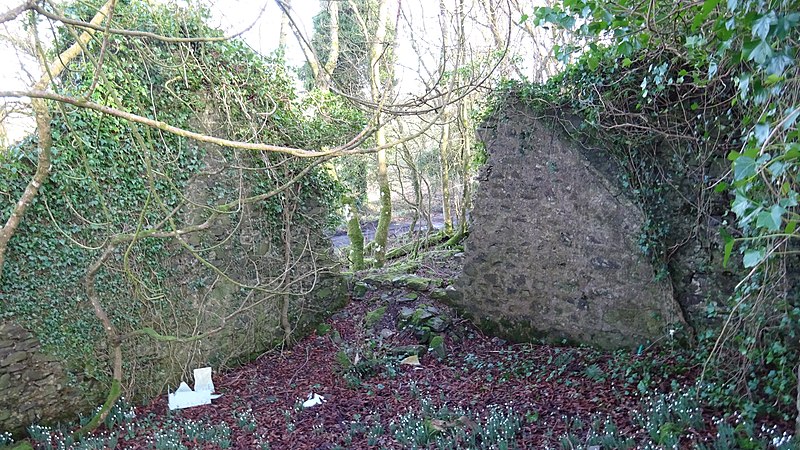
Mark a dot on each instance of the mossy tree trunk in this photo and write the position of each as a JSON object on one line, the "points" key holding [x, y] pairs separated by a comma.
{"points": [[444, 149], [385, 218], [376, 53], [356, 254]]}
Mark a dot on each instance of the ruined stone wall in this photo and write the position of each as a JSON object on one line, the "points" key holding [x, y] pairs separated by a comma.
{"points": [[553, 251], [33, 384], [184, 298]]}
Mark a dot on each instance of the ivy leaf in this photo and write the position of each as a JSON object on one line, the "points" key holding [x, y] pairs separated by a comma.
{"points": [[753, 257], [625, 48], [778, 63], [740, 205], [761, 132], [792, 151], [771, 220], [729, 241], [744, 167], [708, 6], [744, 84], [757, 51], [791, 117], [776, 169], [762, 24]]}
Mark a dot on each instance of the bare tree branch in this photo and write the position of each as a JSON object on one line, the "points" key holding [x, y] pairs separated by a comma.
{"points": [[12, 13]]}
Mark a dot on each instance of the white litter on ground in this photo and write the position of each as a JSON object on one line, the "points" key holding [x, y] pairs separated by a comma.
{"points": [[202, 379], [185, 397], [313, 400]]}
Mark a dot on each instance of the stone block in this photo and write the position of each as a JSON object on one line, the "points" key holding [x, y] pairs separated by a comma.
{"points": [[529, 272], [13, 358]]}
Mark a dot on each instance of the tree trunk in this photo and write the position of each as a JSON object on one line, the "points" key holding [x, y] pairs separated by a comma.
{"points": [[466, 157], [354, 233], [444, 148], [376, 53], [284, 31], [333, 54], [416, 185], [114, 343], [385, 217], [466, 135]]}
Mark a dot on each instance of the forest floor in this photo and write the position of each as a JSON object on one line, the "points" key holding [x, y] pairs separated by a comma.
{"points": [[399, 369]]}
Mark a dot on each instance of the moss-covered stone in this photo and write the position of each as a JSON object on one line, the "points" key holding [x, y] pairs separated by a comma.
{"points": [[405, 350], [374, 316], [437, 345]]}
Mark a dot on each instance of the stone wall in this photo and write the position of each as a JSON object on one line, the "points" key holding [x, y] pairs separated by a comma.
{"points": [[553, 251], [236, 307], [33, 384]]}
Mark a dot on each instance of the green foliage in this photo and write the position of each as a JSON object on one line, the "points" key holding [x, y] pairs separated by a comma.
{"points": [[246, 420], [713, 80]]}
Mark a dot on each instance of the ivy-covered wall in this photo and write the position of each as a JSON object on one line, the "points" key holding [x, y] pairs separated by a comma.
{"points": [[207, 255]]}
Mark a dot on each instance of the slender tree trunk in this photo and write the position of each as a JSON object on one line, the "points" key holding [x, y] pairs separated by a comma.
{"points": [[385, 218], [284, 31], [466, 157], [444, 148], [376, 53], [114, 343], [415, 184], [466, 133], [333, 54], [354, 233]]}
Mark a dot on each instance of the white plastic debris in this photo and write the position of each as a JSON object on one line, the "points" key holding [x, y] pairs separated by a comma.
{"points": [[185, 397], [202, 379], [313, 400]]}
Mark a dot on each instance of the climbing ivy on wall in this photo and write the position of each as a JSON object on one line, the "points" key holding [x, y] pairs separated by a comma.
{"points": [[112, 178], [717, 83]]}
